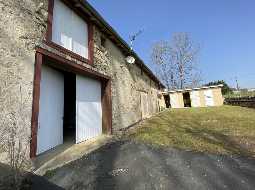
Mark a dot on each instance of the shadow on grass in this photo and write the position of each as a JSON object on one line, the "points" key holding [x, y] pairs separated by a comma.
{"points": [[219, 139], [188, 129]]}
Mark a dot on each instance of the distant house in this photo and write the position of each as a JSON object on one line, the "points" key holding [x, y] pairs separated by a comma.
{"points": [[71, 65], [251, 90], [236, 91], [196, 97]]}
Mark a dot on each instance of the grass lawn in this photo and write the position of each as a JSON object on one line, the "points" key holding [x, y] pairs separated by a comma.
{"points": [[224, 130]]}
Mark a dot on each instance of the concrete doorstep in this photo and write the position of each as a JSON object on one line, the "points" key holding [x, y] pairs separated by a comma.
{"points": [[67, 153]]}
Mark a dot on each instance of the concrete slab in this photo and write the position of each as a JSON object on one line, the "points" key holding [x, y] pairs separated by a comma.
{"points": [[66, 153]]}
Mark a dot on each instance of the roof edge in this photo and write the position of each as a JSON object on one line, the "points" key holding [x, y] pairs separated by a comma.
{"points": [[94, 13], [192, 89]]}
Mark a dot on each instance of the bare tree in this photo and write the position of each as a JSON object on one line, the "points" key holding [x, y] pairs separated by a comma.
{"points": [[161, 59], [175, 62]]}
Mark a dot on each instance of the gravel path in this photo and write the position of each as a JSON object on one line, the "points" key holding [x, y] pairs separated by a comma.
{"points": [[130, 165]]}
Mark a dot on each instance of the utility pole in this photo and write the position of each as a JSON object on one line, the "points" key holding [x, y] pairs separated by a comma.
{"points": [[237, 85]]}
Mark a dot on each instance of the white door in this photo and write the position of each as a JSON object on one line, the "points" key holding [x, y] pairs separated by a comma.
{"points": [[51, 111], [88, 108], [144, 105], [209, 98], [174, 101], [195, 99]]}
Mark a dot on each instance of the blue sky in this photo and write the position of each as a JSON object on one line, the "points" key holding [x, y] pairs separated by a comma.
{"points": [[225, 30]]}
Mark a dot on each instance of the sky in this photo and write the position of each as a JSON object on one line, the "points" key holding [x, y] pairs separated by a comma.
{"points": [[224, 30]]}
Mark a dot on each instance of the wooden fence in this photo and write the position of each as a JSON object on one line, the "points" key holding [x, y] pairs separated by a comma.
{"points": [[242, 101]]}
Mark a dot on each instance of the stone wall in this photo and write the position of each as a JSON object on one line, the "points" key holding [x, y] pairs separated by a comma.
{"points": [[243, 101], [22, 27], [127, 83]]}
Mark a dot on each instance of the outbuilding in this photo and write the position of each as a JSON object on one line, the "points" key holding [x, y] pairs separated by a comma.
{"points": [[197, 97]]}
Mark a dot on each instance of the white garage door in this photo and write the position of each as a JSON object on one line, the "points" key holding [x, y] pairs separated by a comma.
{"points": [[88, 108], [195, 99], [209, 98], [51, 111]]}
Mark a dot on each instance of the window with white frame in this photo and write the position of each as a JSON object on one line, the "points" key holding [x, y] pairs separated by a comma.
{"points": [[69, 30]]}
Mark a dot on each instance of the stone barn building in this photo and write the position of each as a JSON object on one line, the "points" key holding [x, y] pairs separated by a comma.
{"points": [[64, 74]]}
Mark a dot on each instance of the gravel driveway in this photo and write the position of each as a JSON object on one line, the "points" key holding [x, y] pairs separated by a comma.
{"points": [[131, 165]]}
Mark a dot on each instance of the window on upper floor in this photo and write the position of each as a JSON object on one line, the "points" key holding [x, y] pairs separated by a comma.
{"points": [[69, 30]]}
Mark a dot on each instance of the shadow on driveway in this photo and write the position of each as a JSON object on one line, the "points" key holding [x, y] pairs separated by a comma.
{"points": [[132, 165], [31, 182]]}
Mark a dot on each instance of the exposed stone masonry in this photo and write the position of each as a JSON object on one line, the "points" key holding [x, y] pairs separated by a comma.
{"points": [[22, 28]]}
